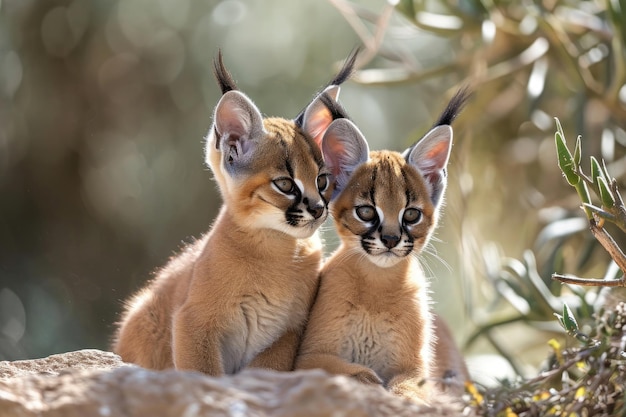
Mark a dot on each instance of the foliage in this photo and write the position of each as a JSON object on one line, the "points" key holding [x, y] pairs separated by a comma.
{"points": [[586, 380], [589, 379], [611, 208]]}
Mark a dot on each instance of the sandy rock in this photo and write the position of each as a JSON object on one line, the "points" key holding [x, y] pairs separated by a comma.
{"points": [[54, 364], [94, 383]]}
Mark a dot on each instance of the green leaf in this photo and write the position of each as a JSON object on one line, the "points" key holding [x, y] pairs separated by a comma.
{"points": [[596, 170], [605, 170], [577, 152], [605, 193], [583, 192], [567, 320], [559, 128], [565, 159]]}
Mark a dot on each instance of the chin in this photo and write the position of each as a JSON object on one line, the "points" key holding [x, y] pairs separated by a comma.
{"points": [[385, 260], [298, 232], [302, 232]]}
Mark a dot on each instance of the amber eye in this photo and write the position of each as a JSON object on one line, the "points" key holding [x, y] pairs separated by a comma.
{"points": [[411, 216], [285, 185], [366, 213], [322, 182]]}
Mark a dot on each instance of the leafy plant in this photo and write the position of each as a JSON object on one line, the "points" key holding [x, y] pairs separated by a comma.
{"points": [[587, 380], [611, 206]]}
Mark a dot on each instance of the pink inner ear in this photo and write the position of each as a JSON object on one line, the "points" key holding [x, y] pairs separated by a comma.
{"points": [[317, 125], [332, 150], [232, 121], [438, 154]]}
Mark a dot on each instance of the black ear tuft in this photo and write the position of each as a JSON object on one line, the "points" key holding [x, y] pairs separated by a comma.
{"points": [[347, 68], [224, 79], [454, 107], [344, 73]]}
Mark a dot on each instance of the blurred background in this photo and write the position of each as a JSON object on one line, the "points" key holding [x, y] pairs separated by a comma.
{"points": [[104, 106]]}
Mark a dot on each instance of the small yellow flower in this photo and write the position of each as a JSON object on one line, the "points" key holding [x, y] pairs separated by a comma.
{"points": [[556, 347], [507, 413], [580, 393], [543, 395], [473, 391]]}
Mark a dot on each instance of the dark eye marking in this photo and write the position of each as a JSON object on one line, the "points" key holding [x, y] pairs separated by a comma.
{"points": [[373, 187], [289, 168]]}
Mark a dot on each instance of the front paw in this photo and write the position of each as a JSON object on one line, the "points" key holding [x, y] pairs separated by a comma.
{"points": [[367, 376], [410, 389]]}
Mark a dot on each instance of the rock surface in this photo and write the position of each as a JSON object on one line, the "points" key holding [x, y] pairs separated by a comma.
{"points": [[95, 383]]}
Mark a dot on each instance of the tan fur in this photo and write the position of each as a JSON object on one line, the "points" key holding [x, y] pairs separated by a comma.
{"points": [[449, 368], [239, 296], [371, 318]]}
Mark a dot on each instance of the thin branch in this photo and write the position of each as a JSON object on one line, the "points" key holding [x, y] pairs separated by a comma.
{"points": [[372, 42], [353, 20], [560, 39], [583, 354], [590, 282], [609, 245], [603, 214]]}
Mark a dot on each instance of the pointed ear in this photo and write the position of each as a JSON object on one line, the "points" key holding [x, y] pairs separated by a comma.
{"points": [[430, 156], [344, 148], [238, 125], [318, 115]]}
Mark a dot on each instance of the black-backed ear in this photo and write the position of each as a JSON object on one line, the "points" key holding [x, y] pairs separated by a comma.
{"points": [[318, 115], [332, 90], [238, 125], [344, 148], [430, 157]]}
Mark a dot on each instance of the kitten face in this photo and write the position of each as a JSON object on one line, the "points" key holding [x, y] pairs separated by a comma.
{"points": [[271, 171], [284, 186], [385, 211]]}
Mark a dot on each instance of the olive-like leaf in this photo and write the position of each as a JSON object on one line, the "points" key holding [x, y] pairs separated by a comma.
{"points": [[605, 193], [567, 320], [565, 159], [577, 152], [596, 170]]}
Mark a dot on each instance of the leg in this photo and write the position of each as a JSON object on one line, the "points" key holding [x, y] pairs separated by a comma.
{"points": [[449, 371], [194, 346], [143, 337], [280, 355]]}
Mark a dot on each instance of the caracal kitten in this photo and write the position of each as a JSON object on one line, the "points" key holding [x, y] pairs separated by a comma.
{"points": [[239, 296], [371, 318]]}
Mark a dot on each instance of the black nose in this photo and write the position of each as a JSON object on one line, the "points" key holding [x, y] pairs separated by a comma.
{"points": [[390, 241], [316, 210]]}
